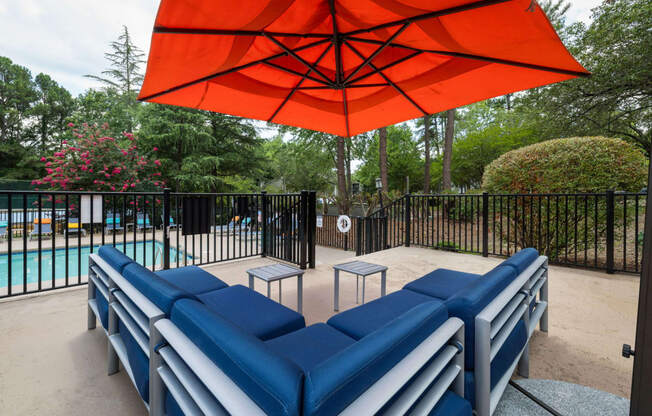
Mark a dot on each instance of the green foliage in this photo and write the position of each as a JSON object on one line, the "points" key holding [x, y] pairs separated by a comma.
{"points": [[16, 97], [102, 107], [51, 110], [580, 164], [574, 165], [403, 159]]}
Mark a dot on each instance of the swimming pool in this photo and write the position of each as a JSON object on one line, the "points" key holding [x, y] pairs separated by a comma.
{"points": [[59, 261]]}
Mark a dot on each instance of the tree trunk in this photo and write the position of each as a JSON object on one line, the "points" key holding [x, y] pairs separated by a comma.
{"points": [[448, 149], [348, 166], [426, 150], [382, 156], [343, 196]]}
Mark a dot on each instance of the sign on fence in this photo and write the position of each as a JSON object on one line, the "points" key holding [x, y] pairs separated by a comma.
{"points": [[320, 221], [85, 208]]}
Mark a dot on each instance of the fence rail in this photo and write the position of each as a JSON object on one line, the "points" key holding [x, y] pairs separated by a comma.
{"points": [[592, 230], [46, 237]]}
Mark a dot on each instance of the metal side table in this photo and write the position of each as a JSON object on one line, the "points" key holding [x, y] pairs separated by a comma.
{"points": [[359, 268], [278, 272]]}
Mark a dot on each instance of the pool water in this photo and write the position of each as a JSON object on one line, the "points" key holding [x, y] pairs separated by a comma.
{"points": [[59, 261]]}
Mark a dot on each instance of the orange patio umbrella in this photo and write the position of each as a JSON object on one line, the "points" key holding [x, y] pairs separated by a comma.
{"points": [[348, 66]]}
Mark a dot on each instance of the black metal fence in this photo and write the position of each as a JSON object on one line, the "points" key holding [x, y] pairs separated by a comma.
{"points": [[596, 230], [46, 237]]}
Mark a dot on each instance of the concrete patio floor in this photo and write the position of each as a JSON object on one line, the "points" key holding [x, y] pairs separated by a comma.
{"points": [[50, 364]]}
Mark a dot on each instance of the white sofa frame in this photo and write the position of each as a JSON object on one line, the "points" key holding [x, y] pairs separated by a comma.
{"points": [[497, 320], [200, 387]]}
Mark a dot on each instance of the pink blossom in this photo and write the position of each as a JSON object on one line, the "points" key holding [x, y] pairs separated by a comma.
{"points": [[71, 125], [133, 185], [65, 142], [113, 188], [124, 152], [43, 159], [48, 164], [49, 171], [157, 162], [155, 148]]}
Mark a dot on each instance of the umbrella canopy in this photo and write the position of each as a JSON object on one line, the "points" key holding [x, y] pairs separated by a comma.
{"points": [[348, 66]]}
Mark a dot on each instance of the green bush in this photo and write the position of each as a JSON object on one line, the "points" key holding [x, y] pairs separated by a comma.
{"points": [[577, 164], [566, 166]]}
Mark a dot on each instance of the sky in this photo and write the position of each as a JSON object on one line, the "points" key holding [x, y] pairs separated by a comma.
{"points": [[67, 39]]}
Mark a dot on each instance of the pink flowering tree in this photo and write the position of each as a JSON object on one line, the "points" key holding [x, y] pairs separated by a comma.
{"points": [[89, 160]]}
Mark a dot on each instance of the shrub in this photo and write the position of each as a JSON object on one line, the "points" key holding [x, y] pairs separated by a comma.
{"points": [[578, 164], [565, 166]]}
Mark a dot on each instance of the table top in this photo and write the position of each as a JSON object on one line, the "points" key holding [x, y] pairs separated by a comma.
{"points": [[361, 268], [275, 272]]}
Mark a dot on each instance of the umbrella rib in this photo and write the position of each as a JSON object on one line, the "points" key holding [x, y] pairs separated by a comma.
{"points": [[389, 81], [479, 58], [379, 84], [303, 78], [298, 58], [297, 73], [230, 32], [382, 68], [337, 43], [228, 71], [377, 51], [429, 15]]}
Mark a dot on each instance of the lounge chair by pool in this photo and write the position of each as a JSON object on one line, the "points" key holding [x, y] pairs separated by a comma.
{"points": [[45, 226]]}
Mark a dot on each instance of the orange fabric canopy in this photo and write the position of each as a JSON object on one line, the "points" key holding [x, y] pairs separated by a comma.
{"points": [[348, 66]]}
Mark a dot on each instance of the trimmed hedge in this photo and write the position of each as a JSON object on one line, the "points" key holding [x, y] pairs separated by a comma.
{"points": [[566, 166], [577, 164]]}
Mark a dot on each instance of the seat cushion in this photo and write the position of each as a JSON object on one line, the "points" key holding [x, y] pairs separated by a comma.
{"points": [[138, 361], [365, 319], [269, 379], [501, 362], [192, 279], [334, 383], [442, 283], [310, 346], [102, 308], [451, 404], [521, 260], [253, 312], [160, 292], [471, 300], [116, 259]]}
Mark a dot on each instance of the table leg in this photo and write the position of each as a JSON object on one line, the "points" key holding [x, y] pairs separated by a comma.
{"points": [[279, 292], [337, 291], [251, 281], [364, 279], [300, 294], [383, 283], [269, 290], [357, 288]]}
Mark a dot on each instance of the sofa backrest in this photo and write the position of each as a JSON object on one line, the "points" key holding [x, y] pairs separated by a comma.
{"points": [[470, 301], [521, 260], [270, 380], [161, 293], [114, 257], [334, 384]]}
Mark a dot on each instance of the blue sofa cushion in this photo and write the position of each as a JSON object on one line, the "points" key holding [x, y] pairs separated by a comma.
{"points": [[442, 283], [451, 404], [253, 312], [470, 301], [116, 259], [160, 292], [501, 362], [270, 380], [192, 279], [365, 319], [335, 383], [310, 346], [138, 361], [102, 309], [521, 260]]}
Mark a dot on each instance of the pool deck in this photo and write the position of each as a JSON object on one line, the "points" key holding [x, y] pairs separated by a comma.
{"points": [[50, 363]]}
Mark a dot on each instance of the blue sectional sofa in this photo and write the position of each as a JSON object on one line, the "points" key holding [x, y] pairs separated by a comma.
{"points": [[193, 348], [500, 310]]}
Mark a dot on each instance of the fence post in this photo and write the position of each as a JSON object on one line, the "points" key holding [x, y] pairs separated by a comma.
{"points": [[485, 224], [368, 235], [303, 227], [408, 219], [610, 231], [166, 228], [358, 236], [263, 219], [312, 227]]}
